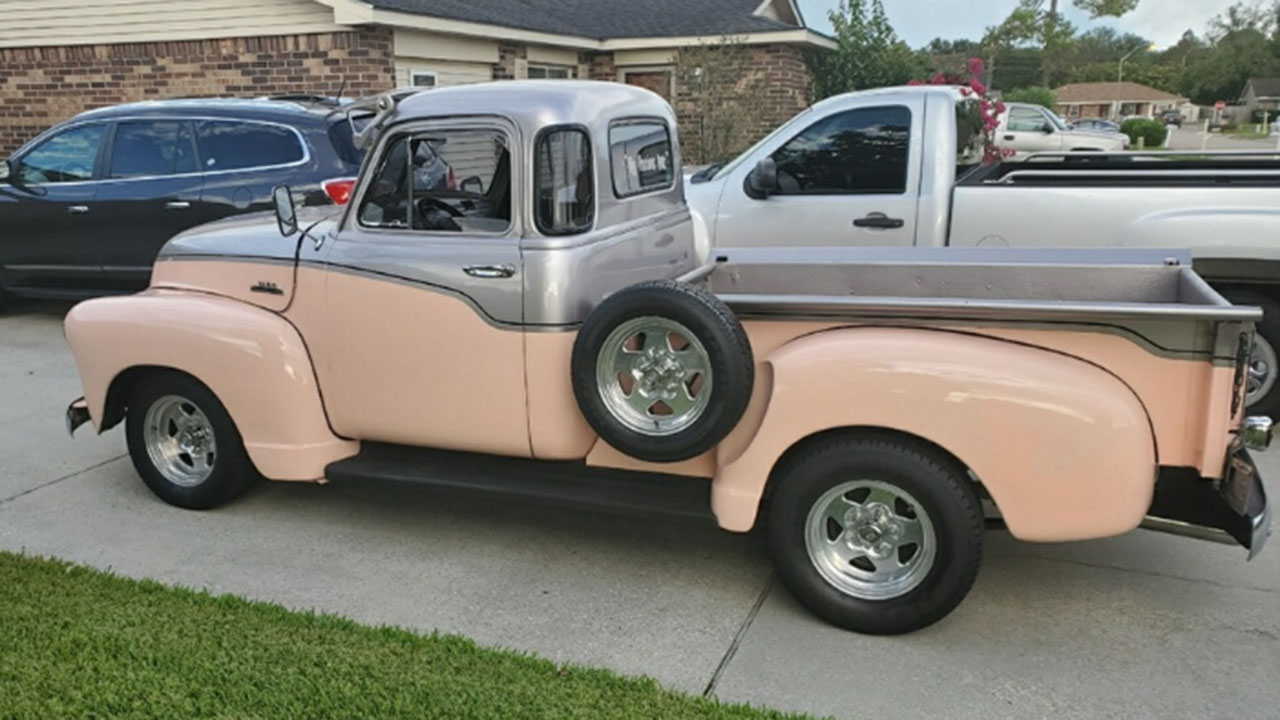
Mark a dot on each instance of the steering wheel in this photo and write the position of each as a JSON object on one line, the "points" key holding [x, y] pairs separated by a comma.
{"points": [[76, 170], [430, 202]]}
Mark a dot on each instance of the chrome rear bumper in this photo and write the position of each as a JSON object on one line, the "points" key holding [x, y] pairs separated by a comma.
{"points": [[1233, 511]]}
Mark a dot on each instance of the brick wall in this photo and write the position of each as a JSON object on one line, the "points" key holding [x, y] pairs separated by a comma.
{"points": [[599, 65], [788, 86], [43, 86], [508, 55]]}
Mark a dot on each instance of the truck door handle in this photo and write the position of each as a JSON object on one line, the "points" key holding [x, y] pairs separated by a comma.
{"points": [[177, 205], [78, 209], [877, 220], [1010, 137], [490, 272]]}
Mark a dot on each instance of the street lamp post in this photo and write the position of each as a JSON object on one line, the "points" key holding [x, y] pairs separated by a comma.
{"points": [[1120, 80]]}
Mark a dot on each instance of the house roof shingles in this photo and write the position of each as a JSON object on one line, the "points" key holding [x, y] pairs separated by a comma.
{"points": [[1105, 92], [601, 19], [1265, 87]]}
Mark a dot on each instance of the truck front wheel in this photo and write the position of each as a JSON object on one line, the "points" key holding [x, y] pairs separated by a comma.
{"points": [[184, 444], [875, 533]]}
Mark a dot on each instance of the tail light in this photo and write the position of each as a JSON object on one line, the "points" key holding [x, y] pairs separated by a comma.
{"points": [[339, 189], [453, 181]]}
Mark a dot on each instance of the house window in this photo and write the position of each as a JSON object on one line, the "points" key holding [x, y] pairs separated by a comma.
{"points": [[422, 78], [660, 80], [549, 72]]}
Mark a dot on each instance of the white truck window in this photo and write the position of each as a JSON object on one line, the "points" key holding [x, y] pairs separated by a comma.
{"points": [[858, 152]]}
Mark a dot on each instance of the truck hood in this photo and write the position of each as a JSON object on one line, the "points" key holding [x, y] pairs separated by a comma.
{"points": [[244, 257]]}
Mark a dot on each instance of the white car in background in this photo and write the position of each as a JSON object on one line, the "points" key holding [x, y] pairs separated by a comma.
{"points": [[1027, 129]]}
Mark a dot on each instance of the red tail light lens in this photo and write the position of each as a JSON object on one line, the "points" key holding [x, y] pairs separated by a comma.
{"points": [[453, 181], [339, 190]]}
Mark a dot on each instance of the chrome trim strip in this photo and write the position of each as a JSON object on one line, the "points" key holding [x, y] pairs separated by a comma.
{"points": [[302, 141]]}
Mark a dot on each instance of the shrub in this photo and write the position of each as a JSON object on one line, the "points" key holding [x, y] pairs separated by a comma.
{"points": [[1153, 132], [1037, 95]]}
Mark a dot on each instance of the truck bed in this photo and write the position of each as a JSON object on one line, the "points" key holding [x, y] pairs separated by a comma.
{"points": [[1155, 294], [1145, 169]]}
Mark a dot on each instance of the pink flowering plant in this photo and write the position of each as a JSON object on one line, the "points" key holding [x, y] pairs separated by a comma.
{"points": [[977, 113]]}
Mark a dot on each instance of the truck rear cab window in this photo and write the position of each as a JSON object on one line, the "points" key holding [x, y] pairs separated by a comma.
{"points": [[857, 152], [152, 148], [564, 186], [640, 157], [478, 203], [237, 145], [1027, 120]]}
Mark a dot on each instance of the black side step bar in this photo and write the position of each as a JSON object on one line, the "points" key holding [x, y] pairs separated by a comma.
{"points": [[555, 482]]}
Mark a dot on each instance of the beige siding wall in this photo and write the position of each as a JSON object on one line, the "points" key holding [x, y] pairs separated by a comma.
{"points": [[38, 23], [447, 73]]}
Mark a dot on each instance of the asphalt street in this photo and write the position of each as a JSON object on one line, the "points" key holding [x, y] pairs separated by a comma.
{"points": [[1144, 625]]}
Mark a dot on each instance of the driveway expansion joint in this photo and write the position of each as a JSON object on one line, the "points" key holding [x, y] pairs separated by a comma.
{"points": [[55, 481], [738, 637]]}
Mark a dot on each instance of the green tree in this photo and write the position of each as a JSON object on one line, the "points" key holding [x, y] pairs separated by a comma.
{"points": [[1035, 95], [1040, 22], [868, 52], [1221, 72]]}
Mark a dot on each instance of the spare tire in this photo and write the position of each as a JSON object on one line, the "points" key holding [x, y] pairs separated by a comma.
{"points": [[662, 370]]}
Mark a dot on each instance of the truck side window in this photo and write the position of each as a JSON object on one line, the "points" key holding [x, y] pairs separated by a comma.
{"points": [[857, 152], [431, 164], [564, 186], [1026, 120], [640, 157]]}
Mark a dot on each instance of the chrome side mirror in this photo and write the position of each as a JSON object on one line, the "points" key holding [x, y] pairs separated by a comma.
{"points": [[762, 181], [286, 213], [6, 169]]}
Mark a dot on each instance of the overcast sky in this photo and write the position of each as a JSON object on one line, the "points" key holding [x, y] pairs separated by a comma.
{"points": [[919, 21]]}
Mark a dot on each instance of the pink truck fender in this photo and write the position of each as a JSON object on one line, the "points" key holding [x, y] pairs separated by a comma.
{"points": [[253, 360], [1065, 449]]}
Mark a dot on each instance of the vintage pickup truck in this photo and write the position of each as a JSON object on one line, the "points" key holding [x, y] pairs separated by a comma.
{"points": [[899, 167], [550, 333]]}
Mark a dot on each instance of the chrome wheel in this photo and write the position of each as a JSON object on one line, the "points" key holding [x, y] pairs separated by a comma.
{"points": [[1262, 370], [870, 539], [180, 441], [654, 376]]}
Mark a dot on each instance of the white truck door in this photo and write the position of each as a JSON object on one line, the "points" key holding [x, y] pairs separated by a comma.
{"points": [[850, 177], [1027, 130]]}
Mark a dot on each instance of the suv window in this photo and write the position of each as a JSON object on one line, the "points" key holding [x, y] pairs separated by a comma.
{"points": [[856, 152], [151, 149], [640, 155], [68, 156], [434, 200], [1027, 120], [235, 145], [563, 183]]}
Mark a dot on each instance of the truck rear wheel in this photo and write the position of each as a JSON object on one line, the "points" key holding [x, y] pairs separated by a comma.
{"points": [[184, 444], [875, 533], [1262, 390], [662, 371]]}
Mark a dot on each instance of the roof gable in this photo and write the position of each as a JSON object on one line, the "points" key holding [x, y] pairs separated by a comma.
{"points": [[1264, 87], [608, 19]]}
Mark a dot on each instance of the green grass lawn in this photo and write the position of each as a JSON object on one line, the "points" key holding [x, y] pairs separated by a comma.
{"points": [[1246, 132], [78, 642]]}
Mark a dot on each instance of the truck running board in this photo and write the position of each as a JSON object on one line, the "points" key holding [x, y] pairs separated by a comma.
{"points": [[555, 482]]}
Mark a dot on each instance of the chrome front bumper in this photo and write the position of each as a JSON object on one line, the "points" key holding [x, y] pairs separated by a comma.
{"points": [[77, 415], [1233, 511]]}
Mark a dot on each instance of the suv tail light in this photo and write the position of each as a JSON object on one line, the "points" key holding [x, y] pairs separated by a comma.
{"points": [[339, 189]]}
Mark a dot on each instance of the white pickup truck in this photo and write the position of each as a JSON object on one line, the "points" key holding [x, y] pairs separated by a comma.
{"points": [[900, 167]]}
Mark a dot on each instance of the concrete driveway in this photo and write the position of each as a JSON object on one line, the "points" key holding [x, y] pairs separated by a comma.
{"points": [[1192, 138], [1139, 626]]}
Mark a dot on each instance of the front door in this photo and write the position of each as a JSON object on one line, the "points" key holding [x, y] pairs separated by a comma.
{"points": [[148, 195], [48, 214], [848, 179], [423, 309], [1028, 130]]}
